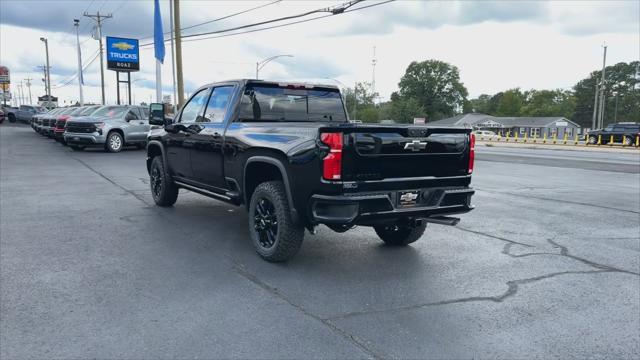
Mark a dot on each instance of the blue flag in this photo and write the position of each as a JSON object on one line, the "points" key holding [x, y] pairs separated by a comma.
{"points": [[158, 34]]}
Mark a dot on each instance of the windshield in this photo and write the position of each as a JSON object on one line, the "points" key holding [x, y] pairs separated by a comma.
{"points": [[275, 103], [110, 111]]}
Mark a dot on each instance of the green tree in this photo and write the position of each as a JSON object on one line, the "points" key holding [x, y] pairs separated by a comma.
{"points": [[510, 103], [403, 110], [482, 104], [436, 86], [548, 103], [360, 102], [622, 81]]}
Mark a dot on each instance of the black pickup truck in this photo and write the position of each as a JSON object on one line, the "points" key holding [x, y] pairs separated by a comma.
{"points": [[290, 155]]}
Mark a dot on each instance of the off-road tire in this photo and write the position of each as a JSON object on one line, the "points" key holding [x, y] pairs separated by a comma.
{"points": [[164, 193], [76, 147], [400, 235], [114, 143], [289, 233]]}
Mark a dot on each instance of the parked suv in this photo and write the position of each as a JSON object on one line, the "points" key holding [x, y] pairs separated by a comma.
{"points": [[624, 132], [111, 127]]}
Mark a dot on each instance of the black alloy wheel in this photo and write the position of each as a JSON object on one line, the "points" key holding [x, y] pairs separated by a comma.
{"points": [[163, 190], [266, 223]]}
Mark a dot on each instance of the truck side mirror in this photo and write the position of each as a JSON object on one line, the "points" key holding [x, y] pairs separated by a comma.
{"points": [[156, 114]]}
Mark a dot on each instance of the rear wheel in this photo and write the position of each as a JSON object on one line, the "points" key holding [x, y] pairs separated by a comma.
{"points": [[275, 235], [399, 234], [593, 140], [627, 140], [163, 189], [114, 142]]}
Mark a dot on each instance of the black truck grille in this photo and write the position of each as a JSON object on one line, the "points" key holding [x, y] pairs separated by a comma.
{"points": [[80, 127]]}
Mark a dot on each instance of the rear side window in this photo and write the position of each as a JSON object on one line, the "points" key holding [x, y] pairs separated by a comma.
{"points": [[194, 109], [218, 104]]}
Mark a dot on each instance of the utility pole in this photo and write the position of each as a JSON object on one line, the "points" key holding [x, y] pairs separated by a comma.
{"points": [[615, 114], [594, 121], [373, 71], [28, 80], [76, 23], [176, 24], [47, 72], [98, 19], [18, 94], [602, 88]]}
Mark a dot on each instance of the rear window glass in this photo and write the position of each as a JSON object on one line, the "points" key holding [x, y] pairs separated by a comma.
{"points": [[274, 103]]}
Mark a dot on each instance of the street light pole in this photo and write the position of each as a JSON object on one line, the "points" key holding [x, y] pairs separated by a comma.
{"points": [[262, 63], [47, 71], [76, 23]]}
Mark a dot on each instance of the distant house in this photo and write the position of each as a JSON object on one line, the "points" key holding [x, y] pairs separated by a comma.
{"points": [[531, 126]]}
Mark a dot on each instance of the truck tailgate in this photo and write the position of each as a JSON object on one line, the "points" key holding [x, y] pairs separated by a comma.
{"points": [[394, 152]]}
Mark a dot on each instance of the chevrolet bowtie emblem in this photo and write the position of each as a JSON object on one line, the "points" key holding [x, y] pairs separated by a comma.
{"points": [[122, 46], [415, 145]]}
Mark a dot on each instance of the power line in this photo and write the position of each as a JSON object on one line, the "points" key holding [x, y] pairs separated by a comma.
{"points": [[68, 81], [230, 15], [220, 18], [334, 10], [289, 23]]}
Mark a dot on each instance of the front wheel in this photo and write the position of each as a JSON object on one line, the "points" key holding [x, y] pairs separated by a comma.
{"points": [[163, 189], [12, 118], [275, 234], [114, 142], [400, 235]]}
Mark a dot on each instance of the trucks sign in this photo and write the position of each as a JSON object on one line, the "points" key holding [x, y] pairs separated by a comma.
{"points": [[122, 54]]}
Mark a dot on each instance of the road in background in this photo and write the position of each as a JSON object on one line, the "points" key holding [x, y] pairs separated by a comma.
{"points": [[547, 265], [627, 161]]}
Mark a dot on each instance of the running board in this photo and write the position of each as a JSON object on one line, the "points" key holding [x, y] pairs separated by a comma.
{"points": [[443, 220], [202, 191]]}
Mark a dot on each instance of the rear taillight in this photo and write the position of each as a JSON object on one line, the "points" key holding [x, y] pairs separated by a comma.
{"points": [[472, 151], [332, 163]]}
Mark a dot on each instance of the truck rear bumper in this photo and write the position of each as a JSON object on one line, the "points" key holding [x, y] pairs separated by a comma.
{"points": [[379, 207]]}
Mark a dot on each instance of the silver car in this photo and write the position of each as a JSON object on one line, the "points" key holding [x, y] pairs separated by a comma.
{"points": [[111, 127]]}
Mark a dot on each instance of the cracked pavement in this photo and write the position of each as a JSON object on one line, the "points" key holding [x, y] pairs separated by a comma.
{"points": [[546, 266]]}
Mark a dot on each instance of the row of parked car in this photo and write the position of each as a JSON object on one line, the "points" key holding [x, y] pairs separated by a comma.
{"points": [[111, 126]]}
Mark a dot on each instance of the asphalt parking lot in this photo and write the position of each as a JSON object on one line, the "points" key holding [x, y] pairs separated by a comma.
{"points": [[546, 266]]}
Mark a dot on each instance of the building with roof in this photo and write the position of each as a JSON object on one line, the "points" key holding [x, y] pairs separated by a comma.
{"points": [[531, 126]]}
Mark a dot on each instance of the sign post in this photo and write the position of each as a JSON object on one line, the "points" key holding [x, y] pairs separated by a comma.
{"points": [[5, 80], [123, 55]]}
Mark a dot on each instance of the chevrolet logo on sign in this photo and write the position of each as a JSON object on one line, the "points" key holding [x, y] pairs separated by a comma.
{"points": [[415, 145], [122, 46]]}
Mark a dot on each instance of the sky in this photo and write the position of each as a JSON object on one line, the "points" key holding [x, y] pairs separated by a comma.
{"points": [[496, 45]]}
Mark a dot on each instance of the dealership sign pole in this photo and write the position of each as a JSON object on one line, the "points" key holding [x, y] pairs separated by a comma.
{"points": [[123, 55], [4, 84]]}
